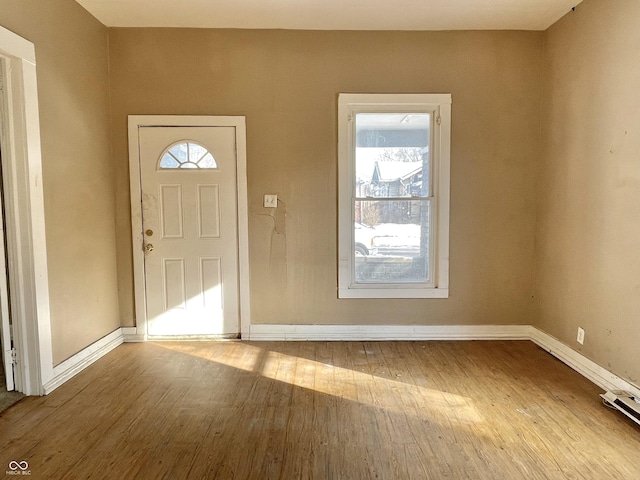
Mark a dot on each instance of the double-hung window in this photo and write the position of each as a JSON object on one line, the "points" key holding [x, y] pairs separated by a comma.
{"points": [[393, 195]]}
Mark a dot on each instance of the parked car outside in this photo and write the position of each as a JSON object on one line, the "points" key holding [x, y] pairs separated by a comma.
{"points": [[398, 240], [364, 240]]}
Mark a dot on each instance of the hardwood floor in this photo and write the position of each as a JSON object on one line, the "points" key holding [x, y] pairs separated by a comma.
{"points": [[325, 410], [6, 398]]}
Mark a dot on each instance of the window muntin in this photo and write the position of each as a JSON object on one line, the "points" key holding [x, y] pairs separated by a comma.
{"points": [[393, 195], [186, 154]]}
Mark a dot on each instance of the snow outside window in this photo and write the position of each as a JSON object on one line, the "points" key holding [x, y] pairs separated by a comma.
{"points": [[393, 200]]}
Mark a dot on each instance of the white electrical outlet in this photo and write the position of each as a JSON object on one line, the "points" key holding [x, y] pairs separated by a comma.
{"points": [[581, 335], [270, 201]]}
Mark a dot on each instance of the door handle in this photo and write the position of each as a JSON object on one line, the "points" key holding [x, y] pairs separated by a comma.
{"points": [[148, 248]]}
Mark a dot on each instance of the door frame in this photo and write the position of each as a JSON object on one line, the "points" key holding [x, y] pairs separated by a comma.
{"points": [[24, 213], [6, 327], [238, 122]]}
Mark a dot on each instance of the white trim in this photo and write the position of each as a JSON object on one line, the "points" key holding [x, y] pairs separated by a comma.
{"points": [[443, 188], [24, 209], [130, 335], [575, 360], [421, 292], [136, 224], [16, 46], [581, 364], [271, 332], [243, 226], [137, 121], [277, 332], [81, 360], [5, 327]]}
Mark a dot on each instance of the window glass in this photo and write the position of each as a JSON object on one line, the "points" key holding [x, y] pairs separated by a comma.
{"points": [[392, 162], [395, 240], [187, 155], [392, 154]]}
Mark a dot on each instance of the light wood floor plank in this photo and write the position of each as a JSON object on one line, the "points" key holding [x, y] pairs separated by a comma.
{"points": [[323, 410]]}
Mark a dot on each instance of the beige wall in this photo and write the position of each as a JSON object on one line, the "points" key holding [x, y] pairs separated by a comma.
{"points": [[286, 84], [588, 235], [73, 92]]}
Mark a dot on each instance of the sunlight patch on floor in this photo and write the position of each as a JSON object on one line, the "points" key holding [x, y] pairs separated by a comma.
{"points": [[373, 390]]}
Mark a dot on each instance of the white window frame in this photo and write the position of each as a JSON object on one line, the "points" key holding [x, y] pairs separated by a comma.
{"points": [[439, 105]]}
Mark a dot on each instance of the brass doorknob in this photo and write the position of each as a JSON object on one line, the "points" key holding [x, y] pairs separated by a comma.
{"points": [[148, 247]]}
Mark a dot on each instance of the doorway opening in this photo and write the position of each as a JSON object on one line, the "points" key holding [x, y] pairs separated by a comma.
{"points": [[8, 395], [6, 340], [29, 337]]}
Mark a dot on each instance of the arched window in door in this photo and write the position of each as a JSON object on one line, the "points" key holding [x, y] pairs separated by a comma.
{"points": [[187, 154]]}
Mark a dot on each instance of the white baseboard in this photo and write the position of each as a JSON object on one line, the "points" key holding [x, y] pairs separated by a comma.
{"points": [[581, 364], [131, 335], [81, 360], [265, 332]]}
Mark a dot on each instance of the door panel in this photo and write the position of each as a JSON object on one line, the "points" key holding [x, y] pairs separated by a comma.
{"points": [[174, 283], [171, 211], [190, 220], [208, 211], [211, 275]]}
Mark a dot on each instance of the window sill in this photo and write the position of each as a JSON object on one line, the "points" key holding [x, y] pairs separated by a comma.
{"points": [[393, 293]]}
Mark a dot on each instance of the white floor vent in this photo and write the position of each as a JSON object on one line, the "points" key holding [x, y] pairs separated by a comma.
{"points": [[624, 402]]}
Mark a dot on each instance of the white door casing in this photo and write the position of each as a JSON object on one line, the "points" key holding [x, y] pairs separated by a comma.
{"points": [[24, 215], [192, 279], [5, 328]]}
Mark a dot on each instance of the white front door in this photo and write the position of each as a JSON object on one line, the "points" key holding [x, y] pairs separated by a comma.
{"points": [[189, 220]]}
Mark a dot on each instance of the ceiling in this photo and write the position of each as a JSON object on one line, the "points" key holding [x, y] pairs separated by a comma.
{"points": [[332, 14]]}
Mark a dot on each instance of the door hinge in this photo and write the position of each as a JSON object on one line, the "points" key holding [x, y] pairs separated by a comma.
{"points": [[439, 120], [14, 357]]}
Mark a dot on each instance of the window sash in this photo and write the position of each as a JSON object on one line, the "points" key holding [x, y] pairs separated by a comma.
{"points": [[439, 108], [430, 257]]}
